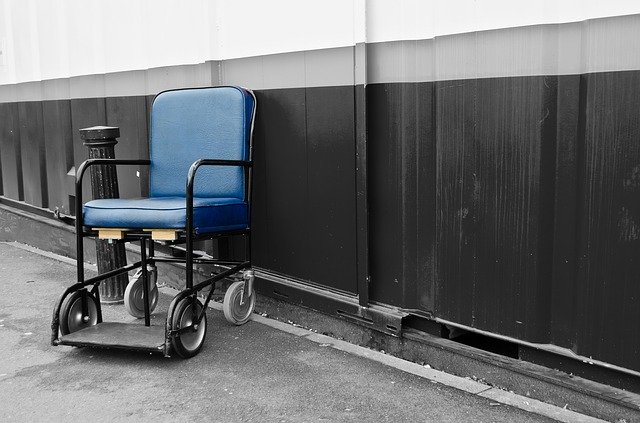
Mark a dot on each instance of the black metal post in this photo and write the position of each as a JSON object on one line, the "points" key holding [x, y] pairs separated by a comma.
{"points": [[101, 141]]}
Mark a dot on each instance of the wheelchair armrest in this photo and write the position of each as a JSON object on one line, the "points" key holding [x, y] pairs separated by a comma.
{"points": [[211, 162], [80, 174], [90, 162], [191, 176]]}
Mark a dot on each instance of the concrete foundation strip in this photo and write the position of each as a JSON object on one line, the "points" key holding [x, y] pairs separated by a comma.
{"points": [[500, 396], [457, 382]]}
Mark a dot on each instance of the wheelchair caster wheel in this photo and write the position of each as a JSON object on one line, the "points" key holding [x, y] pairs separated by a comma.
{"points": [[71, 316], [133, 294], [234, 312], [188, 344]]}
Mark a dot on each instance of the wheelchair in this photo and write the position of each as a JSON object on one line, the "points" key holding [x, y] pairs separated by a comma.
{"points": [[200, 172]]}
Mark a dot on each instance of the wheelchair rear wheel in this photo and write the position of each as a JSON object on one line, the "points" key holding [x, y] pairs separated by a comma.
{"points": [[72, 318], [188, 344]]}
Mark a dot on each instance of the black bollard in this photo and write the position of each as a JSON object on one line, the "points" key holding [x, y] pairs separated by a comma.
{"points": [[101, 141]]}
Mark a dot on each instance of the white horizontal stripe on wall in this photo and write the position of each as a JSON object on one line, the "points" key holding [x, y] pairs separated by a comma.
{"points": [[389, 20], [56, 39], [256, 28], [48, 39], [595, 45], [52, 39]]}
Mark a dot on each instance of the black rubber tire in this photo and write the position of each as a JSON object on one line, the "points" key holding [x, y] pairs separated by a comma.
{"points": [[133, 295], [234, 312], [189, 344], [71, 319]]}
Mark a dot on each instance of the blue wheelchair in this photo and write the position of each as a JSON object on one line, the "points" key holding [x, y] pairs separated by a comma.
{"points": [[200, 171]]}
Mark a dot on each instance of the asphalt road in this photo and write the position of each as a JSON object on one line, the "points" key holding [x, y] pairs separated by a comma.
{"points": [[248, 373]]}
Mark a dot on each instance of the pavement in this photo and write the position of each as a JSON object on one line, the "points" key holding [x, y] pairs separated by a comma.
{"points": [[265, 371]]}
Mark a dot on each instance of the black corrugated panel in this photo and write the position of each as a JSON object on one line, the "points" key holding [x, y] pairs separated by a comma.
{"points": [[533, 199], [304, 205], [493, 209], [563, 313], [59, 152], [33, 153], [85, 112], [484, 195], [607, 289], [10, 151], [130, 115], [280, 137], [401, 172]]}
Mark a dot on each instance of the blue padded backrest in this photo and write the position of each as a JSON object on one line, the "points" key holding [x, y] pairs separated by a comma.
{"points": [[200, 123]]}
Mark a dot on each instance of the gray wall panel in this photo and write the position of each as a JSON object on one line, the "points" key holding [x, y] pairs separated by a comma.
{"points": [[32, 152], [130, 115], [329, 67], [10, 151], [282, 70], [330, 197], [58, 142], [85, 112]]}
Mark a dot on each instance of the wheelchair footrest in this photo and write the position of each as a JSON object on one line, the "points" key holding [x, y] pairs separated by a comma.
{"points": [[118, 335]]}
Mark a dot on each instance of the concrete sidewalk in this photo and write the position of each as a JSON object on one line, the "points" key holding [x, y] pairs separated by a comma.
{"points": [[256, 372]]}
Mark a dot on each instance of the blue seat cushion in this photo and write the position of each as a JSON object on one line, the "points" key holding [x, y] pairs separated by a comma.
{"points": [[209, 214]]}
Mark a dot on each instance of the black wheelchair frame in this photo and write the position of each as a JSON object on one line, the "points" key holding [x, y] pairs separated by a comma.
{"points": [[187, 236]]}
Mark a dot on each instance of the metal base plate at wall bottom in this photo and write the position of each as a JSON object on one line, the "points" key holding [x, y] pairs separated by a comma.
{"points": [[387, 320]]}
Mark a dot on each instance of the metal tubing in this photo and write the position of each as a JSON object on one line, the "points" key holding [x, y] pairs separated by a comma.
{"points": [[55, 323], [189, 258], [92, 162], [185, 293], [111, 273], [145, 282], [247, 243], [85, 306], [212, 282], [96, 293], [249, 171], [191, 176], [79, 218], [197, 260], [79, 231], [221, 275]]}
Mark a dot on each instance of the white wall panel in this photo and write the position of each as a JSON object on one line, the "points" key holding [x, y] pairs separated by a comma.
{"points": [[53, 39], [389, 20], [255, 27], [47, 39], [177, 32]]}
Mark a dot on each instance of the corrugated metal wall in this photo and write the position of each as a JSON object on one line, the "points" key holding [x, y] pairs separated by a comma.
{"points": [[511, 205], [502, 171]]}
